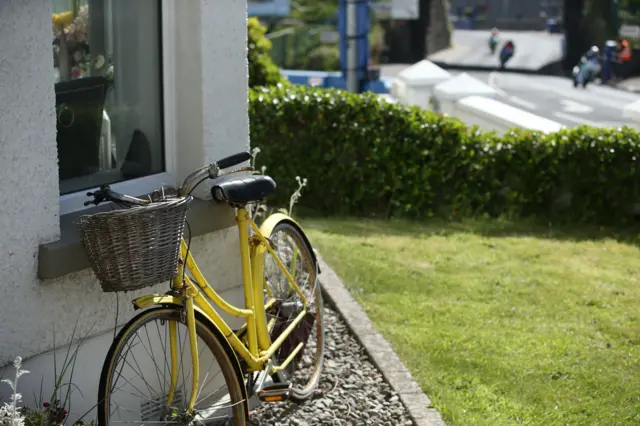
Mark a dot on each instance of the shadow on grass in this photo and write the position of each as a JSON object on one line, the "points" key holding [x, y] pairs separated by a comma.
{"points": [[494, 228]]}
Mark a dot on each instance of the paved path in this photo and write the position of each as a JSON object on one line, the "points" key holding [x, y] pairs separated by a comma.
{"points": [[534, 49], [631, 84]]}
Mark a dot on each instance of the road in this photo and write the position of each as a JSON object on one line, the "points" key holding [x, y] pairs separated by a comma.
{"points": [[555, 98], [534, 49]]}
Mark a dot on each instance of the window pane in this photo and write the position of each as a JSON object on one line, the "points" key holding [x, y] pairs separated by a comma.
{"points": [[108, 68]]}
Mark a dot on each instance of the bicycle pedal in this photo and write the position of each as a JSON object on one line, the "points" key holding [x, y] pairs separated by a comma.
{"points": [[275, 392]]}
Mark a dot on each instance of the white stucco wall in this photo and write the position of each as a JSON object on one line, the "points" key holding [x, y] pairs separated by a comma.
{"points": [[29, 172], [210, 121]]}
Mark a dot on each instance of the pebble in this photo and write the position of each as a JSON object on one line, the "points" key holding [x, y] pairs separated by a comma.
{"points": [[355, 392]]}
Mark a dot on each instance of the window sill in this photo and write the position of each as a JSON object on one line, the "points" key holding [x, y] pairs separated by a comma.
{"points": [[67, 255], [74, 202]]}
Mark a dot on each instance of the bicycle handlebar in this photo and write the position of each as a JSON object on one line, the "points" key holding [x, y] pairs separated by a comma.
{"points": [[233, 160], [106, 194], [211, 171]]}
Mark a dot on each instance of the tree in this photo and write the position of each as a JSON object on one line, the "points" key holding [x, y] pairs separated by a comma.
{"points": [[602, 20], [262, 70], [590, 22], [629, 11], [418, 31], [407, 40], [632, 6], [574, 30], [314, 11]]}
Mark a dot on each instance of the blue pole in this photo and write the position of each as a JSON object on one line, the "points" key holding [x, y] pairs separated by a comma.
{"points": [[342, 30], [363, 24], [362, 42]]}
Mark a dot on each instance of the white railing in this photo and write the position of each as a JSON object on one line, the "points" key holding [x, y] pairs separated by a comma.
{"points": [[491, 114], [473, 102]]}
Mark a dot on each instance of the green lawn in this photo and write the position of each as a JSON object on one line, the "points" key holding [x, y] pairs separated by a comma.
{"points": [[502, 323]]}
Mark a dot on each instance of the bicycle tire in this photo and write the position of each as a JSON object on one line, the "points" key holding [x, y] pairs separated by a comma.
{"points": [[233, 378], [300, 393]]}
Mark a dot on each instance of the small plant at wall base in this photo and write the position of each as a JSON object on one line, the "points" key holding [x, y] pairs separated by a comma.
{"points": [[13, 414], [260, 210], [10, 413], [295, 196], [55, 411]]}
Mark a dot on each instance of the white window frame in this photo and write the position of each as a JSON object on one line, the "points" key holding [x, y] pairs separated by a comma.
{"points": [[75, 201]]}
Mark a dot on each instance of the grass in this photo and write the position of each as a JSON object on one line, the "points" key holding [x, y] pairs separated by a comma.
{"points": [[502, 323]]}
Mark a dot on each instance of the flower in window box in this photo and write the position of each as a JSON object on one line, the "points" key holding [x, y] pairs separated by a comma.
{"points": [[81, 24], [98, 62], [61, 20], [78, 55], [72, 25], [84, 69], [109, 73], [75, 71]]}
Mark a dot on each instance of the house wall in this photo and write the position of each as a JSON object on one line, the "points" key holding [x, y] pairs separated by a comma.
{"points": [[208, 113]]}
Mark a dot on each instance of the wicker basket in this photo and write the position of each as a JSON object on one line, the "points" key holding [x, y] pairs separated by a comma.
{"points": [[136, 247]]}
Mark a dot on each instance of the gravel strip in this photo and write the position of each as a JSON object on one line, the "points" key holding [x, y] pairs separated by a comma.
{"points": [[355, 392]]}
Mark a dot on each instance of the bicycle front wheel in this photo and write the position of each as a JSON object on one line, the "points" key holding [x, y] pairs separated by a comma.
{"points": [[141, 383]]}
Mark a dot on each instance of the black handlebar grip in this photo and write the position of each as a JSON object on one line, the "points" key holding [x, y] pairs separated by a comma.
{"points": [[234, 159]]}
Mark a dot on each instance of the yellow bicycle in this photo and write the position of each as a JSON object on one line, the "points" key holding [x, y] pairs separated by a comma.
{"points": [[178, 361]]}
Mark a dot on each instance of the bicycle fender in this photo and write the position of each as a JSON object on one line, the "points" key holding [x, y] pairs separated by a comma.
{"points": [[150, 300], [272, 221], [144, 302]]}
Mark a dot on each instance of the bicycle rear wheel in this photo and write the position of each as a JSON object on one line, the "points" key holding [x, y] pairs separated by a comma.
{"points": [[136, 377], [294, 252]]}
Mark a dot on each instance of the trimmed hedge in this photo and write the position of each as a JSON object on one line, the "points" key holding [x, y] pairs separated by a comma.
{"points": [[364, 156]]}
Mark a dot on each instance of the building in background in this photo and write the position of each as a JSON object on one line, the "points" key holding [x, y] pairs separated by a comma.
{"points": [[507, 14]]}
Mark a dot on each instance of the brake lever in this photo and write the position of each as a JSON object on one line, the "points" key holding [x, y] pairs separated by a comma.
{"points": [[90, 194], [98, 197]]}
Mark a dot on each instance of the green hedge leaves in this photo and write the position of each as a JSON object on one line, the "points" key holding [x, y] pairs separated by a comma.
{"points": [[365, 156]]}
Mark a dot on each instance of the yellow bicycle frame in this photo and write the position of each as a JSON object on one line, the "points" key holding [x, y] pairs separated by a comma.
{"points": [[259, 349]]}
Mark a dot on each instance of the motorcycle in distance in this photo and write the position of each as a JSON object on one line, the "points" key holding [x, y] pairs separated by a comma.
{"points": [[587, 69], [506, 53], [493, 40]]}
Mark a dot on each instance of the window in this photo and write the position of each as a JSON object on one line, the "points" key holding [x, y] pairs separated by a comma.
{"points": [[107, 58]]}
